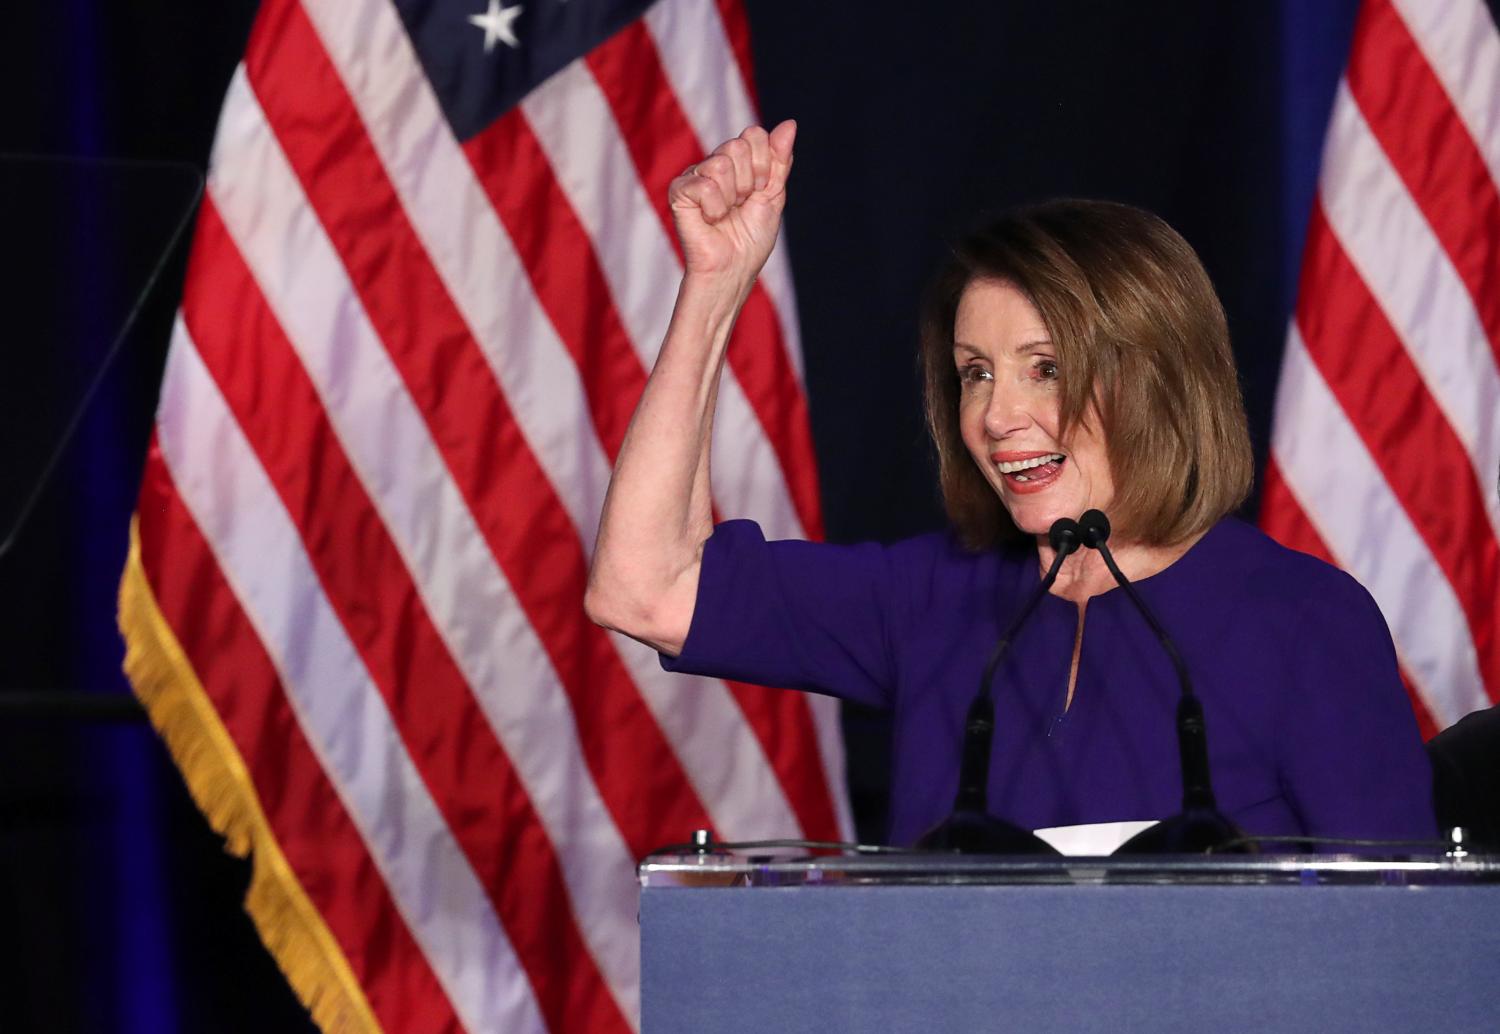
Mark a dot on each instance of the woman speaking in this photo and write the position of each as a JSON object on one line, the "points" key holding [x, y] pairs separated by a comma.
{"points": [[1075, 358]]}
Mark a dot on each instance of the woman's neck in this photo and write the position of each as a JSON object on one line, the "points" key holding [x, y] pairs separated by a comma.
{"points": [[1084, 574]]}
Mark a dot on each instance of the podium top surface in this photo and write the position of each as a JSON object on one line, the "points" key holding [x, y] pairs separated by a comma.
{"points": [[730, 871]]}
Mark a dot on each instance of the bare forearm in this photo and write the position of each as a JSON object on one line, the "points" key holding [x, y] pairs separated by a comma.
{"points": [[659, 509]]}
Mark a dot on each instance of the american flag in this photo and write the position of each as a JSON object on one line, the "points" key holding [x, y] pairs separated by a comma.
{"points": [[1386, 441], [430, 274]]}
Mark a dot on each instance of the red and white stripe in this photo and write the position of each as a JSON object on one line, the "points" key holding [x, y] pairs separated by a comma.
{"points": [[357, 743], [1386, 442], [391, 406]]}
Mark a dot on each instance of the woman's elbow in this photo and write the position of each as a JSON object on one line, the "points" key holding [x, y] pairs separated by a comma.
{"points": [[604, 608], [641, 619]]}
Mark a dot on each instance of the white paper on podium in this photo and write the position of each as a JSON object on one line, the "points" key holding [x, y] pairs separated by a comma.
{"points": [[1093, 838]]}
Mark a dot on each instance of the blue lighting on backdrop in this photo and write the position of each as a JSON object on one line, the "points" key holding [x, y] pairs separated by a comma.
{"points": [[1314, 41], [134, 957]]}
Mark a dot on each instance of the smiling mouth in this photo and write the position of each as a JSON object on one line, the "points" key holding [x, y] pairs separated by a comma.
{"points": [[1034, 470]]}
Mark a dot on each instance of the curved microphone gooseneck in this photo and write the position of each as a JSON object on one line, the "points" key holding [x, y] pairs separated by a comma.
{"points": [[1200, 826], [971, 829]]}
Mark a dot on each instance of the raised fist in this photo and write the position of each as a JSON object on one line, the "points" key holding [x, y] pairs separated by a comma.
{"points": [[727, 207]]}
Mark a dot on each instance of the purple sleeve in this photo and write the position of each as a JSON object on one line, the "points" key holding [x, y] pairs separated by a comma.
{"points": [[1351, 753], [801, 615]]}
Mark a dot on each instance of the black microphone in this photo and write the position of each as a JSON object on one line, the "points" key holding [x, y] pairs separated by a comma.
{"points": [[1200, 826], [971, 829]]}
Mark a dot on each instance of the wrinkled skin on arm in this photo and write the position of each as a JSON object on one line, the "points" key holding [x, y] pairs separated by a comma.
{"points": [[658, 512]]}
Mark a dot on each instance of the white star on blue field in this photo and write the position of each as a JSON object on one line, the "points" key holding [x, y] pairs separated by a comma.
{"points": [[497, 22]]}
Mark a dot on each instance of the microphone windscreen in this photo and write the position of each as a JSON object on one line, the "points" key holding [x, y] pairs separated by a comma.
{"points": [[1094, 527], [1063, 535]]}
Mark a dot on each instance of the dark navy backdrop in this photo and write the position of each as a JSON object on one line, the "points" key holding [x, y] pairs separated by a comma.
{"points": [[121, 911]]}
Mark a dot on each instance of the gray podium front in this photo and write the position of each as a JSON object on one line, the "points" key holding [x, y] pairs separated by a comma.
{"points": [[915, 943]]}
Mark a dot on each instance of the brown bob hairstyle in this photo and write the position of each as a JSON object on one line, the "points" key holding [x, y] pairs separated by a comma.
{"points": [[1137, 331]]}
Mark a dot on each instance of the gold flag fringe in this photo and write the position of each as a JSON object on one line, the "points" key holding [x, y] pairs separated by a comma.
{"points": [[216, 776]]}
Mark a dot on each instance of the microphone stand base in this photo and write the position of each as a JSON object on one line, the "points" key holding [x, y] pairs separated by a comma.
{"points": [[973, 832], [1189, 832]]}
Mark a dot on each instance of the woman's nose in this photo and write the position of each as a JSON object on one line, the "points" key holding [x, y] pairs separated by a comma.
{"points": [[1007, 413]]}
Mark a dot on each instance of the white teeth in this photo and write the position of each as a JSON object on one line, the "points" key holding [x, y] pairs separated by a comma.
{"points": [[1019, 465]]}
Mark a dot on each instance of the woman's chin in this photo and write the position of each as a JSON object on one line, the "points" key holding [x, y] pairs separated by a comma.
{"points": [[1036, 523], [1033, 513]]}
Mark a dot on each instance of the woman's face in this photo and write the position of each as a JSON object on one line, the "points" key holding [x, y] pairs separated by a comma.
{"points": [[1008, 412]]}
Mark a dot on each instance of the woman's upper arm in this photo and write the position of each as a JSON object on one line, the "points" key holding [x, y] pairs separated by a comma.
{"points": [[1351, 750], [802, 615], [661, 618]]}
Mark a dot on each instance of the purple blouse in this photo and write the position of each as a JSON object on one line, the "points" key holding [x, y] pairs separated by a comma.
{"points": [[1309, 728]]}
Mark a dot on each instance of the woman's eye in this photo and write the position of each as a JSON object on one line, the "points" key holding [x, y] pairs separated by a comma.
{"points": [[1046, 370], [968, 375]]}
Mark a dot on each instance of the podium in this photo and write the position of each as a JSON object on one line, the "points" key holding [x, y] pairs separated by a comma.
{"points": [[950, 943]]}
